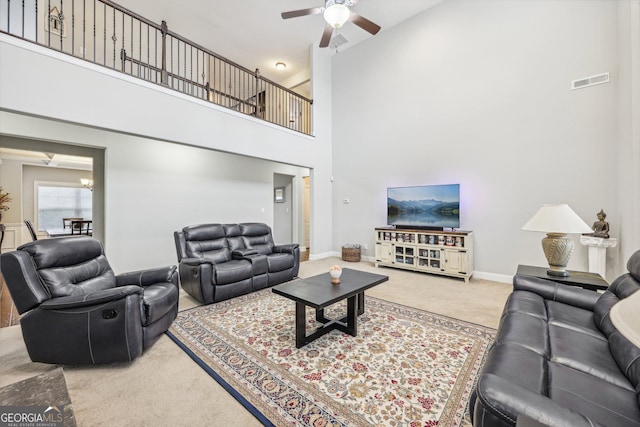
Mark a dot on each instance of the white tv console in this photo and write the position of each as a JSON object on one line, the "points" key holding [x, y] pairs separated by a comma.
{"points": [[449, 253]]}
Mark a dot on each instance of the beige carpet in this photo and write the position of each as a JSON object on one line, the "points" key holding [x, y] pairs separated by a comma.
{"points": [[165, 387]]}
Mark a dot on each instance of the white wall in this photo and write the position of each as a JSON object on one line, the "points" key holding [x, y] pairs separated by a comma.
{"points": [[155, 183], [478, 93]]}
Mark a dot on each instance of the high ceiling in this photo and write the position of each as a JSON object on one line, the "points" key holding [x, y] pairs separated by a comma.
{"points": [[253, 34]]}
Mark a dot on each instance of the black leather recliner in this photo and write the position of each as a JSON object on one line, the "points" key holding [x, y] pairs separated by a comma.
{"points": [[559, 360], [222, 261], [77, 311]]}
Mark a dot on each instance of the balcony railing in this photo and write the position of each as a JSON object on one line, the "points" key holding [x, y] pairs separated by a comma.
{"points": [[107, 34]]}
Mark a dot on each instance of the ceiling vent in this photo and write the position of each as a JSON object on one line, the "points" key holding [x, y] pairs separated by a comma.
{"points": [[338, 41], [590, 81]]}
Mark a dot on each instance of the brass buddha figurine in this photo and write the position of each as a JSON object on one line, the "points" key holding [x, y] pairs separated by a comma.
{"points": [[601, 227]]}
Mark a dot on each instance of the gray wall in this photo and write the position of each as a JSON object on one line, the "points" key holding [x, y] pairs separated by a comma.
{"points": [[154, 188], [478, 93], [156, 177]]}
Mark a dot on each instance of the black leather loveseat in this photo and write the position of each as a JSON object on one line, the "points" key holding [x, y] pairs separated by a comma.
{"points": [[559, 360], [221, 261]]}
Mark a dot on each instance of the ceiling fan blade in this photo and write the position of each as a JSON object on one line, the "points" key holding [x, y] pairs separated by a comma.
{"points": [[364, 23], [301, 12], [326, 36]]}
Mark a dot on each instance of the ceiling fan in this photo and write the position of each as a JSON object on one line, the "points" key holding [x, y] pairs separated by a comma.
{"points": [[336, 13]]}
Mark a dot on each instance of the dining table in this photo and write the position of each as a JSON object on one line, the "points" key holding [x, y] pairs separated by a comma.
{"points": [[77, 228]]}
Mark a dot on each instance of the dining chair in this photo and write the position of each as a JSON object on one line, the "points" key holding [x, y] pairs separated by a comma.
{"points": [[66, 222], [81, 227], [31, 229]]}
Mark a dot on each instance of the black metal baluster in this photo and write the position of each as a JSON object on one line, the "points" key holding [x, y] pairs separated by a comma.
{"points": [[8, 16], [198, 71], [104, 37], [139, 44], [22, 19], [114, 38], [84, 28], [148, 53], [61, 17], [173, 76], [36, 35], [94, 31], [48, 24], [73, 27]]}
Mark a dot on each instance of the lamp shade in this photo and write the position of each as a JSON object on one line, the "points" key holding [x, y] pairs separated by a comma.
{"points": [[557, 219], [625, 316], [336, 14]]}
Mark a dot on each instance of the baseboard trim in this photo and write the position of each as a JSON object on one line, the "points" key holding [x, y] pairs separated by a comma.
{"points": [[494, 277], [313, 257], [482, 275]]}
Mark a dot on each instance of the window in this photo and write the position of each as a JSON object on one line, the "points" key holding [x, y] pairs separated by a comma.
{"points": [[55, 201]]}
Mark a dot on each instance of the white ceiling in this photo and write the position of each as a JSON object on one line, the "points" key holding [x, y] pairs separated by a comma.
{"points": [[253, 34], [46, 159]]}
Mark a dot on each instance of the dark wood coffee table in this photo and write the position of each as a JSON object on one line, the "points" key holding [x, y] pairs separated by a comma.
{"points": [[319, 293]]}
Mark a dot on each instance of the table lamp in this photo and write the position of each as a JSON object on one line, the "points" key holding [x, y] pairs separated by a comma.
{"points": [[557, 221]]}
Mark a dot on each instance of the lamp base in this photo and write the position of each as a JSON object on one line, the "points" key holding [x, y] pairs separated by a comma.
{"points": [[557, 273], [557, 249]]}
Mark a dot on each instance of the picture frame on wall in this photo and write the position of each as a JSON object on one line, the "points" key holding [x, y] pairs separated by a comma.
{"points": [[54, 22], [278, 194]]}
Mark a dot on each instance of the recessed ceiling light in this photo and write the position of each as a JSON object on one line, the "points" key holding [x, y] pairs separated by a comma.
{"points": [[280, 66]]}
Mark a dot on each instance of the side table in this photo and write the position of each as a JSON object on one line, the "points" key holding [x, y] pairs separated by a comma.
{"points": [[583, 279]]}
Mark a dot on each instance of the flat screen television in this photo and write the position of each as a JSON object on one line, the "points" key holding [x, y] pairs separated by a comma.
{"points": [[433, 207]]}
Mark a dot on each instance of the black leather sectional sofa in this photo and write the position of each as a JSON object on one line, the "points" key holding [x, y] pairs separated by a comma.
{"points": [[559, 360], [222, 261]]}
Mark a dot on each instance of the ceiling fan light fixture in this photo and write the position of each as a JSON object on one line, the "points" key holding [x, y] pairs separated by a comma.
{"points": [[336, 14]]}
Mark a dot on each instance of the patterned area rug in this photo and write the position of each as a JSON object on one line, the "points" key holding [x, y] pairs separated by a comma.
{"points": [[406, 367]]}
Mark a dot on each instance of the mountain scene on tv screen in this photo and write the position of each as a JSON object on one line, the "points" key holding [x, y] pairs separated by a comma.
{"points": [[428, 212]]}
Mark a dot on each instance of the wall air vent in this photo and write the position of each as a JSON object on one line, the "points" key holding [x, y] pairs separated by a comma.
{"points": [[590, 81]]}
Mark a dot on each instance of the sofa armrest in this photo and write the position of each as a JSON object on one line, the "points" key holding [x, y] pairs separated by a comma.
{"points": [[504, 401], [148, 277], [93, 298], [548, 289], [243, 253], [194, 262], [288, 248]]}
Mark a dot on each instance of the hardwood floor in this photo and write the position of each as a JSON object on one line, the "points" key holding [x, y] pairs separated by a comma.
{"points": [[8, 313]]}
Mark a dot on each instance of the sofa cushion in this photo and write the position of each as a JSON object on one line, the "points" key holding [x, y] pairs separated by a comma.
{"points": [[597, 399], [585, 353], [574, 318], [526, 331], [207, 241], [280, 262], [234, 237], [232, 271], [257, 236], [71, 266]]}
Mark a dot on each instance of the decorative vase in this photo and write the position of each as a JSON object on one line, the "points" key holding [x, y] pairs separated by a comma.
{"points": [[335, 272]]}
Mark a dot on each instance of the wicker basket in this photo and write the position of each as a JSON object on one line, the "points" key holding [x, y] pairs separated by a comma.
{"points": [[351, 253]]}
